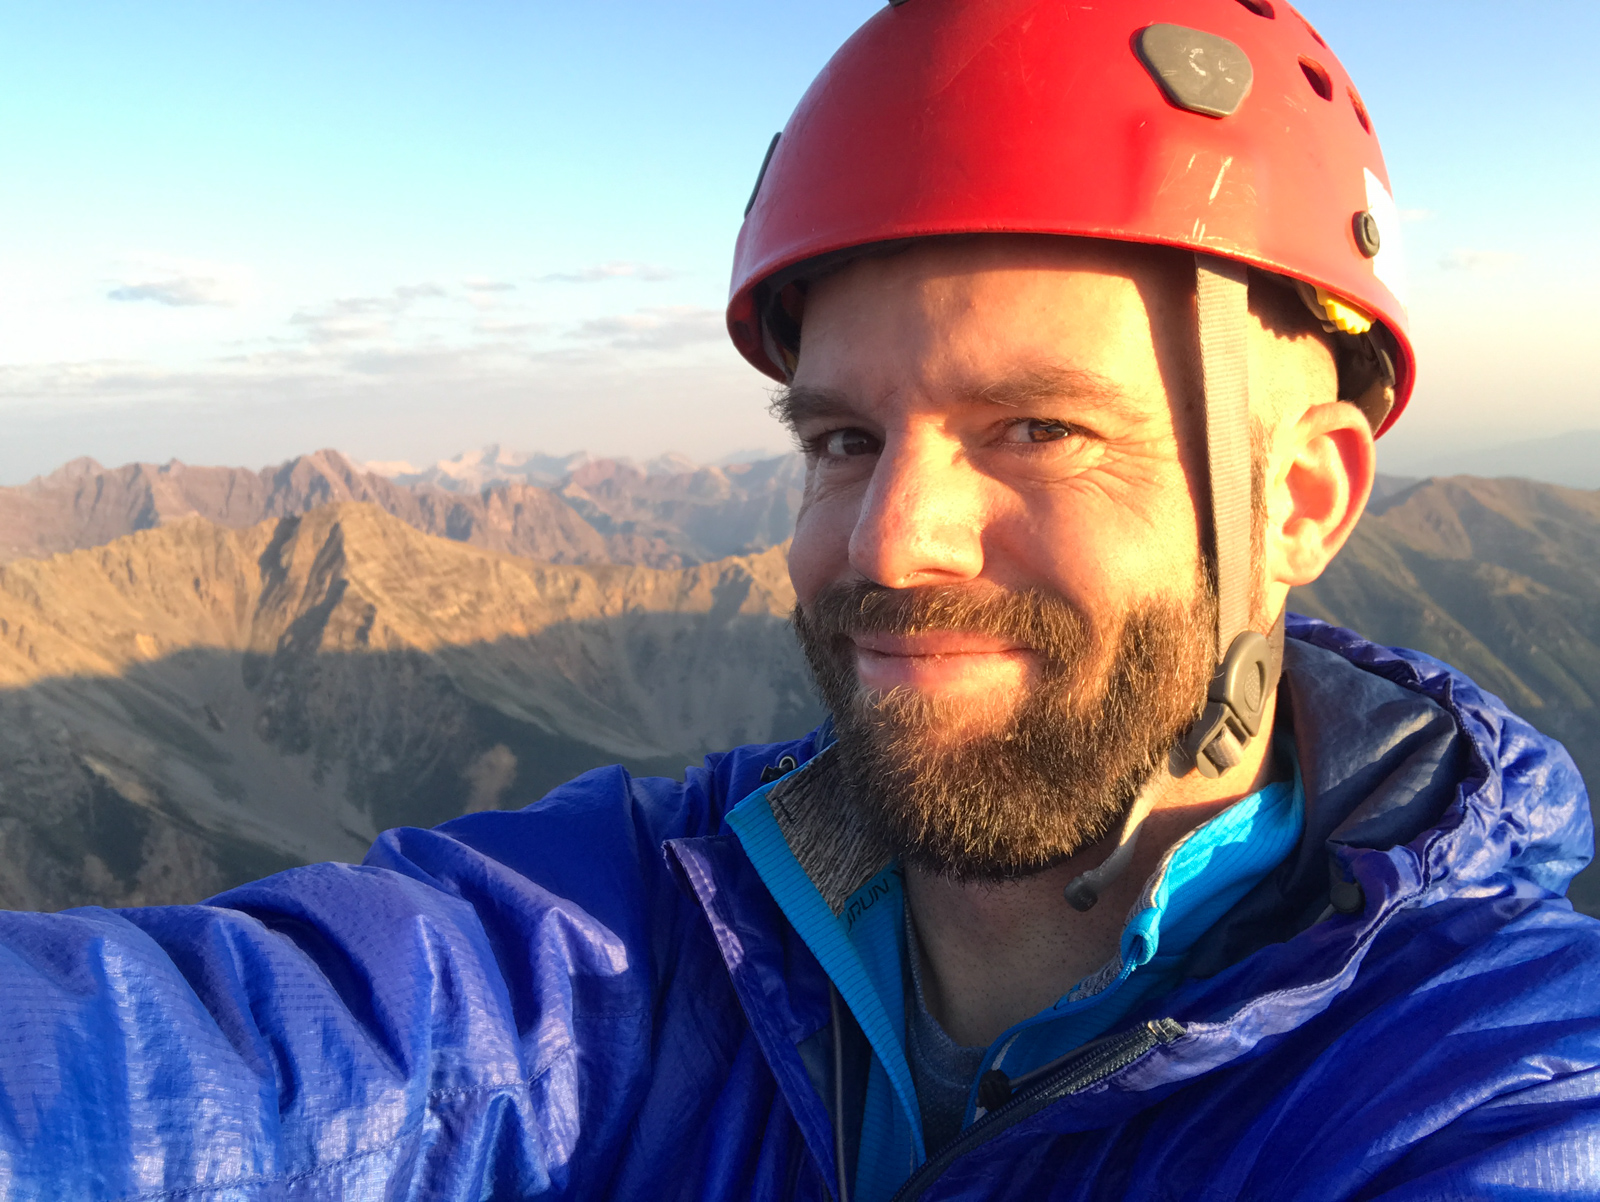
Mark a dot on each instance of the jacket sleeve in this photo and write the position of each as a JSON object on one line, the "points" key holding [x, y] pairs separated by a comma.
{"points": [[1540, 1142], [1479, 1079], [468, 1013]]}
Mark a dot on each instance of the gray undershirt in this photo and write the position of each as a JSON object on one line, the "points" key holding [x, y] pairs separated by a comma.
{"points": [[942, 1070]]}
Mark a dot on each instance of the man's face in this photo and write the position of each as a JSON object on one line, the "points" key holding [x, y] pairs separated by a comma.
{"points": [[997, 561]]}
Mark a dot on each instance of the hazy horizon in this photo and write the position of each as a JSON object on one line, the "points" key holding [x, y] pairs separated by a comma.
{"points": [[1571, 459]]}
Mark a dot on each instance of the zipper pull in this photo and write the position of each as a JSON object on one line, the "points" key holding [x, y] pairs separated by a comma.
{"points": [[994, 1089]]}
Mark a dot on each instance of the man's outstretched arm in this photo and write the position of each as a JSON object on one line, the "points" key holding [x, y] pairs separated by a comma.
{"points": [[445, 1020]]}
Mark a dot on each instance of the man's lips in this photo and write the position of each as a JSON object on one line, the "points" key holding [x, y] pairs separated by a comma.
{"points": [[934, 642], [939, 661]]}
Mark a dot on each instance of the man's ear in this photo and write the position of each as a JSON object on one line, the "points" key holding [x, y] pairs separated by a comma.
{"points": [[1323, 467]]}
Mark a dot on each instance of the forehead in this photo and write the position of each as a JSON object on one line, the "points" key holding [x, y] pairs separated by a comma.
{"points": [[953, 317]]}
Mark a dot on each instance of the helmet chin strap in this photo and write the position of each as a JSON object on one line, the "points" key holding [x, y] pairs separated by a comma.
{"points": [[1250, 661], [1085, 889]]}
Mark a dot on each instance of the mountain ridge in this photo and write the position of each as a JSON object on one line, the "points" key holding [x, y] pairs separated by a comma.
{"points": [[598, 511], [1570, 460]]}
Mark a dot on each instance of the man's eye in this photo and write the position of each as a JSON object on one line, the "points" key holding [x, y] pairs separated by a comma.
{"points": [[1038, 430], [848, 443]]}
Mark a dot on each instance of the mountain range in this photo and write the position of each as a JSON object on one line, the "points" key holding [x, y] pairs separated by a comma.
{"points": [[207, 673], [667, 514]]}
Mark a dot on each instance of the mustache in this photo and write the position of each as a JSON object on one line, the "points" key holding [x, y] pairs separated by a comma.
{"points": [[1040, 621]]}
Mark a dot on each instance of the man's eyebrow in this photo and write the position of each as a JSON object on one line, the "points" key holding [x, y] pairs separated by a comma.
{"points": [[794, 404], [1024, 389], [1041, 385]]}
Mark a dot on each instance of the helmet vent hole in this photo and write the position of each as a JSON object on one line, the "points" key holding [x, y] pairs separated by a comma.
{"points": [[1312, 30], [1261, 8], [1317, 78], [1361, 110]]}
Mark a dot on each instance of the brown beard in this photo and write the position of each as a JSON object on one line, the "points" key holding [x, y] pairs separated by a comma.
{"points": [[1055, 774]]}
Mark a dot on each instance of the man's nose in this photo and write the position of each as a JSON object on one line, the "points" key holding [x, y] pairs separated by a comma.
{"points": [[921, 518]]}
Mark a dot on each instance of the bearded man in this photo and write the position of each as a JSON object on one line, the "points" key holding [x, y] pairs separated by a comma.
{"points": [[1104, 880]]}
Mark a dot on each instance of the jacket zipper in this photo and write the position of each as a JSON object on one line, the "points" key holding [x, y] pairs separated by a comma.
{"points": [[1093, 1063]]}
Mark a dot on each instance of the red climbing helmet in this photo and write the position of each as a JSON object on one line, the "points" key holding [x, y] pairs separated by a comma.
{"points": [[1226, 127], [1223, 127]]}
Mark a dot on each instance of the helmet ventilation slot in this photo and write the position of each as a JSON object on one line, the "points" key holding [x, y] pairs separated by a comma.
{"points": [[1317, 77], [1361, 109], [1312, 30]]}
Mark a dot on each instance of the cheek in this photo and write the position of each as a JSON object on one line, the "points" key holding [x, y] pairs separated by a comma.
{"points": [[1099, 551], [819, 553]]}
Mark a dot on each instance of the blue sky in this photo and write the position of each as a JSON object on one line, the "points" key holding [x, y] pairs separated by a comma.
{"points": [[231, 233]]}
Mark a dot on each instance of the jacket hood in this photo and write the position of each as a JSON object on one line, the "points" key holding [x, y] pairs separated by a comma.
{"points": [[1406, 761]]}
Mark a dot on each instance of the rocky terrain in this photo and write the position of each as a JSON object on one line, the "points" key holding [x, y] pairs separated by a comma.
{"points": [[667, 514], [191, 706], [472, 471]]}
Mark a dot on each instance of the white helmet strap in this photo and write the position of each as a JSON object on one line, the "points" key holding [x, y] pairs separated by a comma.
{"points": [[1249, 660]]}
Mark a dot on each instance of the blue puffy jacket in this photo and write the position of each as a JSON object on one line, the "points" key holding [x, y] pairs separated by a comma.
{"points": [[595, 997]]}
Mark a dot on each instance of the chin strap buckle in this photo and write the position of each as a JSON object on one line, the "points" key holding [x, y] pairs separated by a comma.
{"points": [[1235, 705]]}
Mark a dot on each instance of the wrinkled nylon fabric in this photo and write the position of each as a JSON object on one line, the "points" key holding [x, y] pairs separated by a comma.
{"points": [[542, 1004]]}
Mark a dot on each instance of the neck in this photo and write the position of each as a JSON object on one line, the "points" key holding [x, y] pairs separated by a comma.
{"points": [[992, 955]]}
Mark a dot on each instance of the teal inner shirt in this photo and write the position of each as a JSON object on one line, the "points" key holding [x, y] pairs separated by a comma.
{"points": [[863, 949]]}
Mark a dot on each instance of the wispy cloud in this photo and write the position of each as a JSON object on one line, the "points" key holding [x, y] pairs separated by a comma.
{"points": [[352, 318], [407, 293], [391, 355], [665, 328], [176, 293], [609, 271], [1480, 262], [179, 284], [1414, 215], [511, 328], [487, 295]]}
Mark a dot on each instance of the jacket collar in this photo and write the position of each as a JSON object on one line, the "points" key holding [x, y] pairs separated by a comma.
{"points": [[1406, 761], [834, 847]]}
